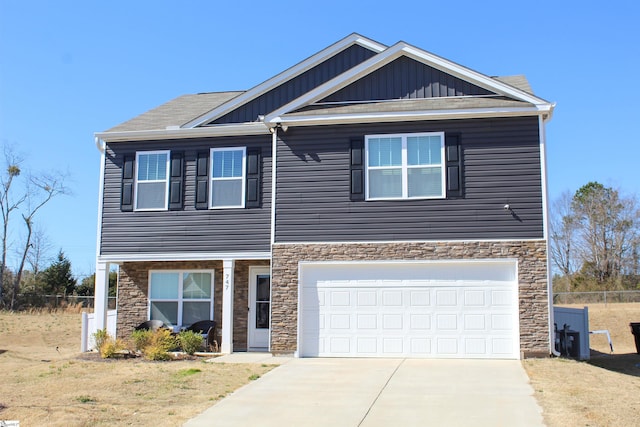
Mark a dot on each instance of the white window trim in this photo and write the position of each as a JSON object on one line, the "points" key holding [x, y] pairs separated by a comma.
{"points": [[166, 181], [405, 167], [180, 300], [244, 177]]}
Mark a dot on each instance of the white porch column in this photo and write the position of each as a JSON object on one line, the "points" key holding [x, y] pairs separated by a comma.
{"points": [[227, 306], [101, 295]]}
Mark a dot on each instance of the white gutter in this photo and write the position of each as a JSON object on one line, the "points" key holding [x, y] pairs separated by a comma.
{"points": [[257, 128], [393, 116], [545, 222]]}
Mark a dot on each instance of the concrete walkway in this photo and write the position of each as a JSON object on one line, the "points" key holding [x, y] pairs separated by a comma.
{"points": [[381, 392]]}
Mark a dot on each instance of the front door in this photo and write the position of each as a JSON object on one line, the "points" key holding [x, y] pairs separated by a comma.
{"points": [[259, 307]]}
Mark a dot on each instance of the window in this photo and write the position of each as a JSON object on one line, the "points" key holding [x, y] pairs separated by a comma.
{"points": [[406, 166], [227, 177], [152, 183], [180, 298]]}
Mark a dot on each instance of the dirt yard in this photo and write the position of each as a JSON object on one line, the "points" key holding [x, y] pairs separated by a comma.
{"points": [[602, 392], [46, 380]]}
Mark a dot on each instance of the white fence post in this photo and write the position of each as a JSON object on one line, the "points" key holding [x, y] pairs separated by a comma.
{"points": [[85, 338]]}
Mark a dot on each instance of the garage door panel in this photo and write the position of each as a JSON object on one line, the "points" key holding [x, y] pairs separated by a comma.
{"points": [[366, 298], [358, 315], [419, 298]]}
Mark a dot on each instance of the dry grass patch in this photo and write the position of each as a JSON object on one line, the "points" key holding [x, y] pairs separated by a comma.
{"points": [[46, 381], [602, 392]]}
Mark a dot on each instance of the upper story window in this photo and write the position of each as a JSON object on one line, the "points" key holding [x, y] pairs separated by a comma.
{"points": [[227, 178], [405, 166], [152, 180]]}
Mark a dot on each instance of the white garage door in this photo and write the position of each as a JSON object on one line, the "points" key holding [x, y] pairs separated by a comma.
{"points": [[409, 309]]}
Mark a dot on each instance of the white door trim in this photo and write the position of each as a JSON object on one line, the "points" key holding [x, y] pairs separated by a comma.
{"points": [[253, 272]]}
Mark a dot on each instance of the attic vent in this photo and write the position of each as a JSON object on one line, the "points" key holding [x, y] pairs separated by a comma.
{"points": [[172, 127]]}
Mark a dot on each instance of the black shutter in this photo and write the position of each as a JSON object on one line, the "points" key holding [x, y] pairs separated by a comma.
{"points": [[254, 183], [126, 197], [202, 180], [453, 153], [176, 181], [357, 169]]}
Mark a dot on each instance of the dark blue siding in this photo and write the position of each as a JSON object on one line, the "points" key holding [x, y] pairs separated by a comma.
{"points": [[297, 86], [501, 165], [187, 230], [405, 78]]}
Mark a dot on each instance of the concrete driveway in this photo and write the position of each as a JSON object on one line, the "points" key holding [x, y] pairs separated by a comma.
{"points": [[381, 392]]}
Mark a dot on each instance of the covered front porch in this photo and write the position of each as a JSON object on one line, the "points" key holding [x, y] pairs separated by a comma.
{"points": [[234, 292]]}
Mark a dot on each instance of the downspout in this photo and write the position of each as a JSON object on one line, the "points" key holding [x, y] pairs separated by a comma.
{"points": [[545, 212], [274, 150]]}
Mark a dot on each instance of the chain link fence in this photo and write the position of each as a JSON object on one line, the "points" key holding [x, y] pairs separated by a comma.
{"points": [[60, 301], [595, 297]]}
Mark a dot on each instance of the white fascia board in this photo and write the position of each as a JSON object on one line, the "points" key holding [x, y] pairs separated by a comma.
{"points": [[119, 259], [286, 75], [243, 129], [392, 53], [311, 120], [471, 76]]}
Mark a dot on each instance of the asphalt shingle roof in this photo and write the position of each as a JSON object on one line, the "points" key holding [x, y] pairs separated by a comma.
{"points": [[176, 112]]}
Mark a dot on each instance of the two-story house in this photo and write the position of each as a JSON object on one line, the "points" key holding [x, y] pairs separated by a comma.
{"points": [[370, 201]]}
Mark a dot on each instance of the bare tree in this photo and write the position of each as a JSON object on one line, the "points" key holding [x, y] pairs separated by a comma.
{"points": [[40, 190], [40, 249], [562, 232], [8, 204]]}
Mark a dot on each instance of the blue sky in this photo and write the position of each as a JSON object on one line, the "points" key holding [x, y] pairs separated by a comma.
{"points": [[69, 69]]}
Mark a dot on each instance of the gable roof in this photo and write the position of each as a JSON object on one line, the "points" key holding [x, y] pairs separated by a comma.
{"points": [[290, 73], [498, 87], [330, 99]]}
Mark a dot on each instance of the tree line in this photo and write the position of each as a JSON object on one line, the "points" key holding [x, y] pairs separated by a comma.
{"points": [[594, 240]]}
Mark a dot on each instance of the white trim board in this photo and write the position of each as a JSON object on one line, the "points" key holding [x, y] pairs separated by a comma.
{"points": [[286, 75], [243, 129], [205, 256]]}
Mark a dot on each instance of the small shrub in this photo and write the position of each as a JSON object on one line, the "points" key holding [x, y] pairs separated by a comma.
{"points": [[190, 341], [161, 342], [112, 348], [254, 377], [100, 337], [141, 339]]}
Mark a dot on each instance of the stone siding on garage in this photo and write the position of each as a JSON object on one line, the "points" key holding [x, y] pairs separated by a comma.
{"points": [[532, 280]]}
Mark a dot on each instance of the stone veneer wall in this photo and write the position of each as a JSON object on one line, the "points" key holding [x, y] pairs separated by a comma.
{"points": [[532, 279], [241, 302], [133, 284], [133, 290]]}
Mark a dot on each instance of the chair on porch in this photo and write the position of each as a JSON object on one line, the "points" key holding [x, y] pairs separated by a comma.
{"points": [[151, 325], [207, 328]]}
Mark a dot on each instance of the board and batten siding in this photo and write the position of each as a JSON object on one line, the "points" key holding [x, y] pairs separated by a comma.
{"points": [[405, 78], [187, 230], [297, 86], [501, 161]]}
